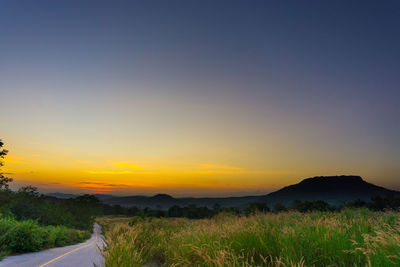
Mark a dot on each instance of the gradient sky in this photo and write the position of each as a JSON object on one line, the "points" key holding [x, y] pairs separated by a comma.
{"points": [[202, 98]]}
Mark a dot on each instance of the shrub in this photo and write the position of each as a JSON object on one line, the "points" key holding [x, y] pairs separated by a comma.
{"points": [[28, 236]]}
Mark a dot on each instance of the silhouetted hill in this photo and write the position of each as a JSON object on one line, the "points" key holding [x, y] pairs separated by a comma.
{"points": [[101, 197], [332, 189], [162, 197], [162, 201], [335, 190], [61, 195]]}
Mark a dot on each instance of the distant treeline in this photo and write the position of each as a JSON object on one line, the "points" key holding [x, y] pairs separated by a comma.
{"points": [[193, 212], [31, 222], [28, 204], [80, 212]]}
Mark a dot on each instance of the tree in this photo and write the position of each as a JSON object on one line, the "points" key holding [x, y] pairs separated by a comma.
{"points": [[279, 207], [216, 208], [29, 190], [255, 207], [4, 181], [175, 211], [84, 209], [315, 205]]}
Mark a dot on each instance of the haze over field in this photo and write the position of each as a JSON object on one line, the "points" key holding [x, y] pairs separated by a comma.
{"points": [[198, 98]]}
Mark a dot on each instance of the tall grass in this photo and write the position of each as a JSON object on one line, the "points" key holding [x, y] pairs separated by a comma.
{"points": [[27, 236], [348, 238]]}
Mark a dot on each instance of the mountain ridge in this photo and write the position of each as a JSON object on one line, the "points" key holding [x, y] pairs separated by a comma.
{"points": [[335, 190]]}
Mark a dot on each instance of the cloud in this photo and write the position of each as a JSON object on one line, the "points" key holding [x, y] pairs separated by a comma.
{"points": [[101, 184], [109, 172], [90, 183], [100, 187], [118, 164], [239, 171], [114, 185], [222, 167], [126, 165], [83, 161]]}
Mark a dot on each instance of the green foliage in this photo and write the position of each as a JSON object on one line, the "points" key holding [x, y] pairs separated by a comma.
{"points": [[28, 204], [77, 213], [278, 207], [256, 207], [30, 221], [4, 181], [308, 206], [84, 210], [27, 236]]}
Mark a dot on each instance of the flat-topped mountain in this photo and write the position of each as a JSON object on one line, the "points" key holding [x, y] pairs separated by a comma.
{"points": [[335, 190], [332, 189]]}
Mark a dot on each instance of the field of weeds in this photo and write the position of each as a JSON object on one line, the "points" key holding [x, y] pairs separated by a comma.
{"points": [[346, 238]]}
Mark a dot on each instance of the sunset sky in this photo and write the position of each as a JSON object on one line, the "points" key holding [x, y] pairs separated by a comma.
{"points": [[198, 98]]}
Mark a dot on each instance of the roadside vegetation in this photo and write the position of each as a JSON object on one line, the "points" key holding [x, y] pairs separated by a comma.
{"points": [[31, 222], [28, 236], [357, 237]]}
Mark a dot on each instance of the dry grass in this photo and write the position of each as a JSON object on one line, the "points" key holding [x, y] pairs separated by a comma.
{"points": [[348, 238]]}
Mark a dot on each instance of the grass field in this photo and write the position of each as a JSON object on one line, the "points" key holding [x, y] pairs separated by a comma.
{"points": [[346, 238], [28, 236]]}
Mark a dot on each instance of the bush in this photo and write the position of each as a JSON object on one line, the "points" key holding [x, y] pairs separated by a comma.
{"points": [[28, 236], [24, 237]]}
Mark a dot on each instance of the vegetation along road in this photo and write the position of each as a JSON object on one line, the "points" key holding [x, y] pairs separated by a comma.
{"points": [[81, 255]]}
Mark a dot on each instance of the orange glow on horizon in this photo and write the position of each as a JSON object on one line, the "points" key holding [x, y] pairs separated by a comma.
{"points": [[67, 169]]}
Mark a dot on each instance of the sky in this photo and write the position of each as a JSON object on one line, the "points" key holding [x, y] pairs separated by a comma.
{"points": [[198, 98]]}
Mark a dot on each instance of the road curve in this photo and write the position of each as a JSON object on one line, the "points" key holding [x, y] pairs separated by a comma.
{"points": [[87, 254]]}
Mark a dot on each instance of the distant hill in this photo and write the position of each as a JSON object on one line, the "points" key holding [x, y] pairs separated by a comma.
{"points": [[335, 190], [101, 197], [162, 201], [61, 195], [165, 201]]}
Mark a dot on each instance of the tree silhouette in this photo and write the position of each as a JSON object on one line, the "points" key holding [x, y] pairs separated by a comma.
{"points": [[29, 190], [279, 207], [4, 181]]}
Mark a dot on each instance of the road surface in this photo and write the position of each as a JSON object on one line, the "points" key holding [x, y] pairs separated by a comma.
{"points": [[85, 254]]}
